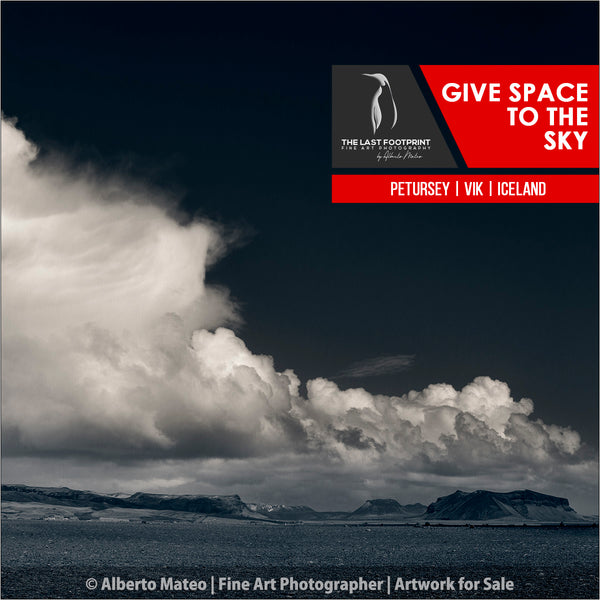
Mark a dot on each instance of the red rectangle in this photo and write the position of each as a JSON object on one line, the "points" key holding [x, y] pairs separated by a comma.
{"points": [[520, 116], [464, 188]]}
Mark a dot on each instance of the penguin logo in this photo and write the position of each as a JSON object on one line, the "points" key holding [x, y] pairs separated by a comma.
{"points": [[376, 116]]}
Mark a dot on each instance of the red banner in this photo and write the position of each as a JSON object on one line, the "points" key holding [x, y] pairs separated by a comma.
{"points": [[520, 116], [464, 188]]}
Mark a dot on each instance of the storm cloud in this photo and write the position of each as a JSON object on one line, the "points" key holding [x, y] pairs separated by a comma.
{"points": [[121, 370]]}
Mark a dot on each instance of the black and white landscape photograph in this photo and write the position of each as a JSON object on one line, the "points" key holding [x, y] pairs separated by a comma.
{"points": [[217, 383]]}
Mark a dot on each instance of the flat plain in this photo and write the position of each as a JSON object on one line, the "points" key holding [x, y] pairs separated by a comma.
{"points": [[52, 559]]}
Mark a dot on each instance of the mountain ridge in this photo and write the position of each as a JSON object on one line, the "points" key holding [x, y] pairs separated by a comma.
{"points": [[480, 505], [387, 508], [486, 505]]}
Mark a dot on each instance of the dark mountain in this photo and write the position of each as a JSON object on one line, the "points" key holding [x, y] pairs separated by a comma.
{"points": [[387, 508], [226, 506], [484, 505], [62, 496], [210, 505]]}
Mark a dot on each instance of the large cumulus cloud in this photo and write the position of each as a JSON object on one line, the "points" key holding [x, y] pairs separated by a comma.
{"points": [[118, 366]]}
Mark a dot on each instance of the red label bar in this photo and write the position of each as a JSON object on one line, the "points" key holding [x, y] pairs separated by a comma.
{"points": [[520, 116], [464, 188]]}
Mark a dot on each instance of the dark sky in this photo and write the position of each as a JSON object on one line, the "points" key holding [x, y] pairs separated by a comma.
{"points": [[227, 105]]}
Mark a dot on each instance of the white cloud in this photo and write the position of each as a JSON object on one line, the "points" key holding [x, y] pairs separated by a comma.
{"points": [[80, 248], [118, 368]]}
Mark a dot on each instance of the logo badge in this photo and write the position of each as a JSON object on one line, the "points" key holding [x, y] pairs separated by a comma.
{"points": [[380, 119]]}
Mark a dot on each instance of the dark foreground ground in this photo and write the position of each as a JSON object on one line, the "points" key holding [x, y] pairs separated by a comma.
{"points": [[47, 559]]}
